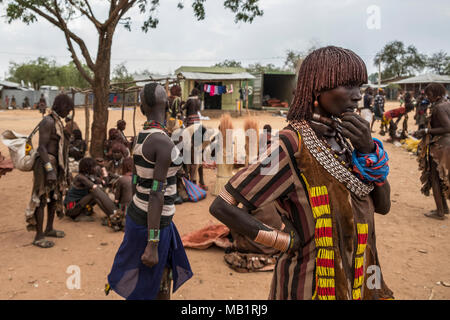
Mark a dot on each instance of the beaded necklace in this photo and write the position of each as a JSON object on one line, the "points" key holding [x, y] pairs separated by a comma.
{"points": [[329, 162], [152, 124], [342, 156]]}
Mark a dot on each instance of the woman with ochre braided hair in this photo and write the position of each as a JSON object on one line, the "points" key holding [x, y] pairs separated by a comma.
{"points": [[328, 176], [151, 254]]}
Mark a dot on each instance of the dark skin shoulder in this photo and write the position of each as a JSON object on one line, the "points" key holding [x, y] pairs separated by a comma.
{"points": [[440, 120]]}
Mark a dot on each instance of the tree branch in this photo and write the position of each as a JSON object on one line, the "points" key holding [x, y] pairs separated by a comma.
{"points": [[63, 26], [71, 48], [114, 13], [89, 14], [90, 9]]}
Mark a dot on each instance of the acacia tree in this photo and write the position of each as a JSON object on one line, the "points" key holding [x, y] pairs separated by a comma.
{"points": [[44, 71], [61, 12], [439, 62], [399, 60]]}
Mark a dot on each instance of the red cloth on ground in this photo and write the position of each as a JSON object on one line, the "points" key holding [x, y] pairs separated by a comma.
{"points": [[207, 236]]}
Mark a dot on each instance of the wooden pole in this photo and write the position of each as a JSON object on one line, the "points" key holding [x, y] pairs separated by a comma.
{"points": [[87, 120], [379, 76], [246, 97], [134, 113], [123, 103], [73, 113], [240, 101]]}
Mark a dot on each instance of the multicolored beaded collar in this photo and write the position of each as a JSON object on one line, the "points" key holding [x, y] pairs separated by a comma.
{"points": [[154, 125]]}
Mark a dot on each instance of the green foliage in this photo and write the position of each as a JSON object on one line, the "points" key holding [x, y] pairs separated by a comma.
{"points": [[373, 77], [439, 62], [43, 71], [260, 68], [229, 63], [121, 74], [399, 60], [293, 60], [69, 76]]}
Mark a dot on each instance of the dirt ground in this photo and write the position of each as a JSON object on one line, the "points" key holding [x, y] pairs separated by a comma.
{"points": [[413, 250]]}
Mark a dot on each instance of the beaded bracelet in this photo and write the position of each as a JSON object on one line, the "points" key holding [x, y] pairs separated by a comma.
{"points": [[153, 235], [157, 186], [48, 167]]}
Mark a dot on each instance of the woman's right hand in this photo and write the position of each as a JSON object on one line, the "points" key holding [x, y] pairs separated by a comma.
{"points": [[290, 229]]}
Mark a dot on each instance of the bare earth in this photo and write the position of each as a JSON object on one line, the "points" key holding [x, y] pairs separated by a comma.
{"points": [[414, 250]]}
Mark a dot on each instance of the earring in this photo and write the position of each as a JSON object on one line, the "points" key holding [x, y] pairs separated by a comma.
{"points": [[316, 104]]}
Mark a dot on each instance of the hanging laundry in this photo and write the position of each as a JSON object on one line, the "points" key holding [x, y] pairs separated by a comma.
{"points": [[230, 90], [212, 90], [216, 90]]}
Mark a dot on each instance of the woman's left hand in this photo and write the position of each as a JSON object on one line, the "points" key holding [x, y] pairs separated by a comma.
{"points": [[355, 128]]}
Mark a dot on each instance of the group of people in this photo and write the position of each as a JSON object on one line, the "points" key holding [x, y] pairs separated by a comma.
{"points": [[329, 177], [373, 110], [11, 103]]}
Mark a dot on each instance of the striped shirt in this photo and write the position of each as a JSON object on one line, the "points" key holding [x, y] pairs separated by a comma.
{"points": [[144, 171], [257, 185]]}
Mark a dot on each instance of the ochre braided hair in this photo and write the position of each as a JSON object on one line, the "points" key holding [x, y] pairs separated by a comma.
{"points": [[325, 69], [435, 89]]}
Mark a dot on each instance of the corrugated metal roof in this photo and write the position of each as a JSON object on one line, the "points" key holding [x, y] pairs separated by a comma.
{"points": [[218, 70], [426, 78], [374, 85], [140, 77], [10, 84], [216, 76], [280, 73]]}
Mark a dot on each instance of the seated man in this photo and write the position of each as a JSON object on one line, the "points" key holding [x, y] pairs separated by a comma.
{"points": [[77, 147], [85, 192]]}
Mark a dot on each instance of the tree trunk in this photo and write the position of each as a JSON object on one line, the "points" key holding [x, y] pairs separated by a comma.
{"points": [[101, 94]]}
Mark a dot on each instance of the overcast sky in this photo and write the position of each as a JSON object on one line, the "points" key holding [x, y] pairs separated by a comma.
{"points": [[286, 24]]}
